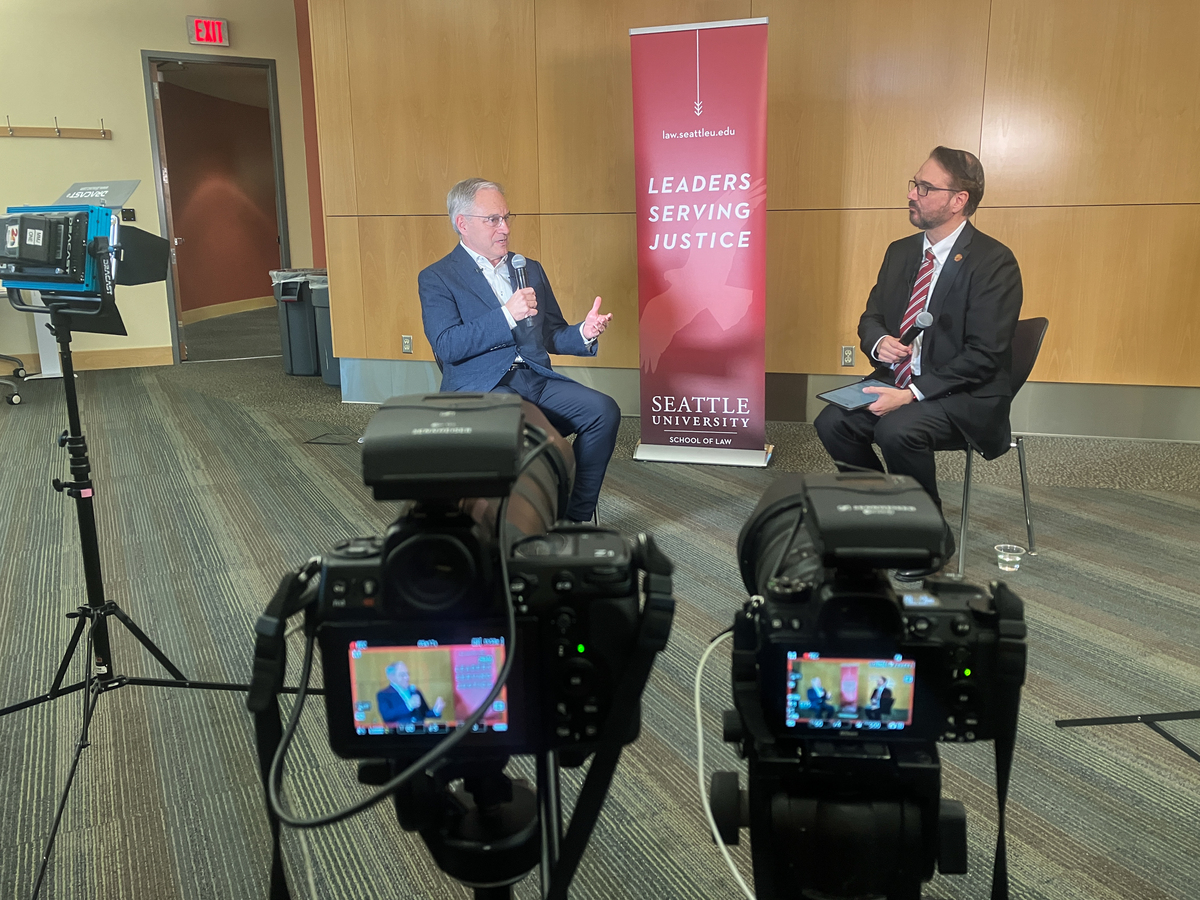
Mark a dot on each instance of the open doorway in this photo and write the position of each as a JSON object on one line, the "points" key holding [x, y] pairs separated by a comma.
{"points": [[222, 205]]}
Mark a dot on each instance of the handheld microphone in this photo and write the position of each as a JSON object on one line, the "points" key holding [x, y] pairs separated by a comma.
{"points": [[924, 320], [518, 264]]}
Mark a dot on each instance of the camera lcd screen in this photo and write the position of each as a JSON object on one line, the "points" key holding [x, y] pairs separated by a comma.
{"points": [[844, 693], [426, 687]]}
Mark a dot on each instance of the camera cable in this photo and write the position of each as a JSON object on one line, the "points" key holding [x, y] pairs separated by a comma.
{"points": [[708, 814], [436, 756]]}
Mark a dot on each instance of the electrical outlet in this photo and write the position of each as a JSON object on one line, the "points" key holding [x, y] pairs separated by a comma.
{"points": [[406, 343], [847, 356]]}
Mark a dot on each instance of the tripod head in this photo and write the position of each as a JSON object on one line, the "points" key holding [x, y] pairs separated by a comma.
{"points": [[485, 832]]}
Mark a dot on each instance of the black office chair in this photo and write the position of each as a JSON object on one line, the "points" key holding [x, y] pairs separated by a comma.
{"points": [[1027, 343], [13, 397]]}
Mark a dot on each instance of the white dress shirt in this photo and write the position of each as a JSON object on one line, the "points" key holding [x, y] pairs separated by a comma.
{"points": [[497, 278], [941, 252]]}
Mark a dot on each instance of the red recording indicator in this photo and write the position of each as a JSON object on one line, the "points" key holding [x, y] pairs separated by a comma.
{"points": [[208, 31]]}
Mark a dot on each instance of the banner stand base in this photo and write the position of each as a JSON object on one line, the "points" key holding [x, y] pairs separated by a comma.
{"points": [[713, 456]]}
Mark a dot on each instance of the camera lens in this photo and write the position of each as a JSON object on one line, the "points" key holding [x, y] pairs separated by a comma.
{"points": [[431, 572]]}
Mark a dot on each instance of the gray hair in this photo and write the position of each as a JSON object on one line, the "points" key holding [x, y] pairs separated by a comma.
{"points": [[461, 199]]}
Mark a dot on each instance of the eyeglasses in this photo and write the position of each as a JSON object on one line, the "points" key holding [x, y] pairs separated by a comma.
{"points": [[494, 221], [923, 188]]}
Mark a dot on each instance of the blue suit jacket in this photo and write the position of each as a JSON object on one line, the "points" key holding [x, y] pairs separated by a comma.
{"points": [[466, 326]]}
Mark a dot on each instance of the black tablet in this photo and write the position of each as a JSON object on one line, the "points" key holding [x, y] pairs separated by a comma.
{"points": [[851, 396]]}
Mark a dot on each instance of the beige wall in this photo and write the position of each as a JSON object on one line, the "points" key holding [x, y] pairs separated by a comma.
{"points": [[82, 61], [1084, 113]]}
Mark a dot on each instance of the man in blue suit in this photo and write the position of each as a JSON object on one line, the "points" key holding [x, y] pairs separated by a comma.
{"points": [[490, 334]]}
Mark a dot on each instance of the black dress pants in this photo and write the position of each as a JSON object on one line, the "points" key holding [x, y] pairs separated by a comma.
{"points": [[907, 436]]}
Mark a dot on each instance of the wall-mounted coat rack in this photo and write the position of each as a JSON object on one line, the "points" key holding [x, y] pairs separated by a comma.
{"points": [[87, 134]]}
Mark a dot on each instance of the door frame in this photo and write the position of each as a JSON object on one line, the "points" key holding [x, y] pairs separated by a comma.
{"points": [[149, 58]]}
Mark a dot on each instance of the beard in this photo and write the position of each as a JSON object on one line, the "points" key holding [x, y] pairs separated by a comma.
{"points": [[930, 220]]}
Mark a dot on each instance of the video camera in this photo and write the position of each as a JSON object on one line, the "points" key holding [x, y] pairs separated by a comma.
{"points": [[475, 629], [842, 687]]}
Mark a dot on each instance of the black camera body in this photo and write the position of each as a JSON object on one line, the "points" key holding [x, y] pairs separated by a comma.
{"points": [[843, 687], [576, 595], [413, 625], [937, 647]]}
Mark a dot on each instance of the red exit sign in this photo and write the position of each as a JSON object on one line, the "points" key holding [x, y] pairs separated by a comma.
{"points": [[208, 31]]}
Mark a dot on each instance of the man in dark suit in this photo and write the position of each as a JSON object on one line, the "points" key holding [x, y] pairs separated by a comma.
{"points": [[954, 381], [490, 334], [402, 702]]}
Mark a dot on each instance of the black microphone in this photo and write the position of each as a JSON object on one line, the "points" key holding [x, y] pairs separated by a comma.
{"points": [[518, 264], [924, 320]]}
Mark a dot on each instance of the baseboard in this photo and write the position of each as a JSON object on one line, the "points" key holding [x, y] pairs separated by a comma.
{"points": [[200, 313], [122, 358], [32, 361]]}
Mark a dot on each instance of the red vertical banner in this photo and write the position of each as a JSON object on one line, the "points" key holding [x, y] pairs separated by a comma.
{"points": [[700, 158]]}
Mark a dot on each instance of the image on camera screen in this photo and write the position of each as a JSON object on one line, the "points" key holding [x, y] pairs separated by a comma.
{"points": [[834, 693], [426, 687]]}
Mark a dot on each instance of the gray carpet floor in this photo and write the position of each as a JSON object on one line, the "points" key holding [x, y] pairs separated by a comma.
{"points": [[238, 336], [212, 480]]}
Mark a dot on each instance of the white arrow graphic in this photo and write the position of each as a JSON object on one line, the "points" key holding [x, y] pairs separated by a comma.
{"points": [[699, 103]]}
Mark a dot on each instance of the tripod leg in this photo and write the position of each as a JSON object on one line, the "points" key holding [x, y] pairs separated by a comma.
{"points": [[80, 622], [1158, 729], [62, 801], [147, 643]]}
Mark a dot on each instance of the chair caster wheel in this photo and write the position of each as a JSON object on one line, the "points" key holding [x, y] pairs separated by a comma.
{"points": [[13, 399], [19, 372]]}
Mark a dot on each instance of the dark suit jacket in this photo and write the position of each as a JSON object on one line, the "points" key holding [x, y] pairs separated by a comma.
{"points": [[393, 709], [966, 354], [466, 326]]}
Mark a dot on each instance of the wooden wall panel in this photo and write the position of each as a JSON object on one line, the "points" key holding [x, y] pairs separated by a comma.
{"points": [[1120, 285], [1088, 103], [331, 85], [344, 261], [588, 256], [1092, 101], [861, 91], [821, 264], [585, 94], [440, 92], [393, 251]]}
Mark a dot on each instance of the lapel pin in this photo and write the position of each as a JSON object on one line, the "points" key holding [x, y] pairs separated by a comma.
{"points": [[958, 257]]}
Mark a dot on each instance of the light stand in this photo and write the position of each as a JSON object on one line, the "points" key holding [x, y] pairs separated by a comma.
{"points": [[67, 312]]}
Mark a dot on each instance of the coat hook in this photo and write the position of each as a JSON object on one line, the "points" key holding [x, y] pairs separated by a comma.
{"points": [[57, 133], [9, 121], [101, 129]]}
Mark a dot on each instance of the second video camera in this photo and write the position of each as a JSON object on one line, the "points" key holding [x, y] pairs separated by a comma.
{"points": [[842, 686]]}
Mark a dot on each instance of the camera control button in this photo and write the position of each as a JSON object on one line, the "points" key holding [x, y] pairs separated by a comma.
{"points": [[960, 626], [370, 586], [563, 731], [591, 730], [564, 620], [578, 675], [339, 588], [920, 626], [564, 582], [517, 585]]}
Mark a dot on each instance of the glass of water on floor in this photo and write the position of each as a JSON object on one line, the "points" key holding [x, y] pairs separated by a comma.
{"points": [[1008, 557]]}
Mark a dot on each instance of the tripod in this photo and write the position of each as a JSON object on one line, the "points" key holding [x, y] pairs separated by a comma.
{"points": [[98, 610], [1150, 720]]}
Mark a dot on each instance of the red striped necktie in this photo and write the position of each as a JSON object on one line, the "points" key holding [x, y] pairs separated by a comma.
{"points": [[920, 294]]}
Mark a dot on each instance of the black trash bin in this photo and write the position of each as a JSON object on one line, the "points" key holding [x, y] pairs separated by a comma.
{"points": [[331, 369], [297, 324]]}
